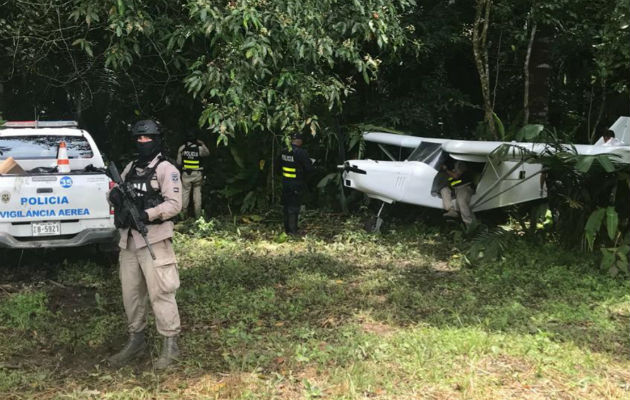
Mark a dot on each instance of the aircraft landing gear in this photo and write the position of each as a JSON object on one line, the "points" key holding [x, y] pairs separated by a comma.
{"points": [[374, 224]]}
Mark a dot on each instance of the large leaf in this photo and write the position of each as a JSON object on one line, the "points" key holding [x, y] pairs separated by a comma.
{"points": [[584, 163], [529, 132], [593, 225], [327, 179], [604, 160], [237, 158], [612, 222], [500, 127]]}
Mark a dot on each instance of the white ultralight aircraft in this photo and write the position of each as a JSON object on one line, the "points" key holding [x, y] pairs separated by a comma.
{"points": [[507, 172]]}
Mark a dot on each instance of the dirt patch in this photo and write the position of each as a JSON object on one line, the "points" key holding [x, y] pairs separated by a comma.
{"points": [[443, 266], [71, 299], [505, 364], [377, 328]]}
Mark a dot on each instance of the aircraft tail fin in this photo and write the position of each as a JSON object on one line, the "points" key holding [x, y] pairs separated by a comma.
{"points": [[621, 127]]}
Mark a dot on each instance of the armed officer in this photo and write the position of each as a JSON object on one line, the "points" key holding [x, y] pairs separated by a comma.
{"points": [[295, 166], [189, 160], [157, 185]]}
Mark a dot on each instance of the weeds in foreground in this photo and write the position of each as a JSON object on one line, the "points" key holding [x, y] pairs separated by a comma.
{"points": [[336, 314]]}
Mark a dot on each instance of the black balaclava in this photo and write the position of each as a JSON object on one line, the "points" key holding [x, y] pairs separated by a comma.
{"points": [[148, 150]]}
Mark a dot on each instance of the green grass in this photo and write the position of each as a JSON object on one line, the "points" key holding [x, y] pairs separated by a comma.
{"points": [[336, 314]]}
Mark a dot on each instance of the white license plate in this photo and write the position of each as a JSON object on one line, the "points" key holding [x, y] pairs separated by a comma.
{"points": [[46, 228]]}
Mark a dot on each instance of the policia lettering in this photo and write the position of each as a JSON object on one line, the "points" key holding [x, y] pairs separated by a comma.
{"points": [[288, 172], [295, 164], [191, 157]]}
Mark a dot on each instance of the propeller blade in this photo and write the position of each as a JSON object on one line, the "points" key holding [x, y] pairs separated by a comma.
{"points": [[351, 168]]}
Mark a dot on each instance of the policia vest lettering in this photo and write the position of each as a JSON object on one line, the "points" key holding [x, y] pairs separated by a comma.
{"points": [[191, 158], [290, 170], [146, 196]]}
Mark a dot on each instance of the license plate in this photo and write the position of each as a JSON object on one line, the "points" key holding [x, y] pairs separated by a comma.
{"points": [[46, 228]]}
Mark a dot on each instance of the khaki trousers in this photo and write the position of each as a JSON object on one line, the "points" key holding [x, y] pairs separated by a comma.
{"points": [[144, 279], [463, 194], [192, 182], [447, 198]]}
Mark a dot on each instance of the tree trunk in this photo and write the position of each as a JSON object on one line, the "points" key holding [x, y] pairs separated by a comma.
{"points": [[540, 74], [526, 77], [480, 51]]}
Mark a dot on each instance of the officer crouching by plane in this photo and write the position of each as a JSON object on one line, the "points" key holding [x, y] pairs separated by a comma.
{"points": [[189, 159], [295, 166], [460, 180], [157, 187]]}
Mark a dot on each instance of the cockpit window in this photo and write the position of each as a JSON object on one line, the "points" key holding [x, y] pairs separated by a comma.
{"points": [[429, 153]]}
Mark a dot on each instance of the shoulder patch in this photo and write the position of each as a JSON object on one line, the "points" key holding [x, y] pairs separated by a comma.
{"points": [[174, 176]]}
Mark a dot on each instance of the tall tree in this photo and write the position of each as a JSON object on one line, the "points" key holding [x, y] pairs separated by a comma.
{"points": [[480, 50]]}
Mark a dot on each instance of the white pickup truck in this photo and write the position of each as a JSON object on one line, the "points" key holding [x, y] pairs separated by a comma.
{"points": [[41, 207]]}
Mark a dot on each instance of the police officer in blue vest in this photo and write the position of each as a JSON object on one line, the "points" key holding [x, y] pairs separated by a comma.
{"points": [[295, 165]]}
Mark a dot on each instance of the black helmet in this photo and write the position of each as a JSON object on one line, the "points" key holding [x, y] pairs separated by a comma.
{"points": [[190, 135], [146, 127], [297, 136]]}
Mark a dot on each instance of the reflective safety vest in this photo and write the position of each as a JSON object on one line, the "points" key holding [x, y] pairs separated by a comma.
{"points": [[465, 178], [289, 166], [190, 157], [454, 181]]}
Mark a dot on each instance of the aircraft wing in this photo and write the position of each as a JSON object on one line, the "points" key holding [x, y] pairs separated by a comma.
{"points": [[468, 150], [393, 139], [479, 151]]}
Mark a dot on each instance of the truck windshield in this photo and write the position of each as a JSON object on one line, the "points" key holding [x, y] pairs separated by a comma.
{"points": [[428, 153], [39, 147]]}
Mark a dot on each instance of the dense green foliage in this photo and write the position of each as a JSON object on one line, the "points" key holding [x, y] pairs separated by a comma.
{"points": [[339, 314], [250, 72], [278, 66]]}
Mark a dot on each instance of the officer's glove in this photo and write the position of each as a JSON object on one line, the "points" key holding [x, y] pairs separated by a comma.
{"points": [[116, 197], [144, 216]]}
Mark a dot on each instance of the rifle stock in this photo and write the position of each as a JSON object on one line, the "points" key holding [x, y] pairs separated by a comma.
{"points": [[129, 203]]}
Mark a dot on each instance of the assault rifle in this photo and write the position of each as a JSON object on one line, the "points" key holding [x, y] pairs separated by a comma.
{"points": [[129, 197]]}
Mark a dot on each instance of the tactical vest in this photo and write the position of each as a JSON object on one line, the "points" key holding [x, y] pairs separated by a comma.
{"points": [[191, 157], [290, 170], [146, 196]]}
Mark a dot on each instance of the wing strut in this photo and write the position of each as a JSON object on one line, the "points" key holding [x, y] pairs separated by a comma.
{"points": [[511, 187], [495, 184], [478, 202], [387, 153]]}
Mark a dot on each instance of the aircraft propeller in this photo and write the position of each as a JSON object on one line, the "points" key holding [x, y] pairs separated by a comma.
{"points": [[352, 168]]}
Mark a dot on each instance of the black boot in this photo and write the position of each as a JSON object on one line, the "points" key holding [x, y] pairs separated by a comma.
{"points": [[135, 347], [293, 224], [170, 353], [287, 225]]}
